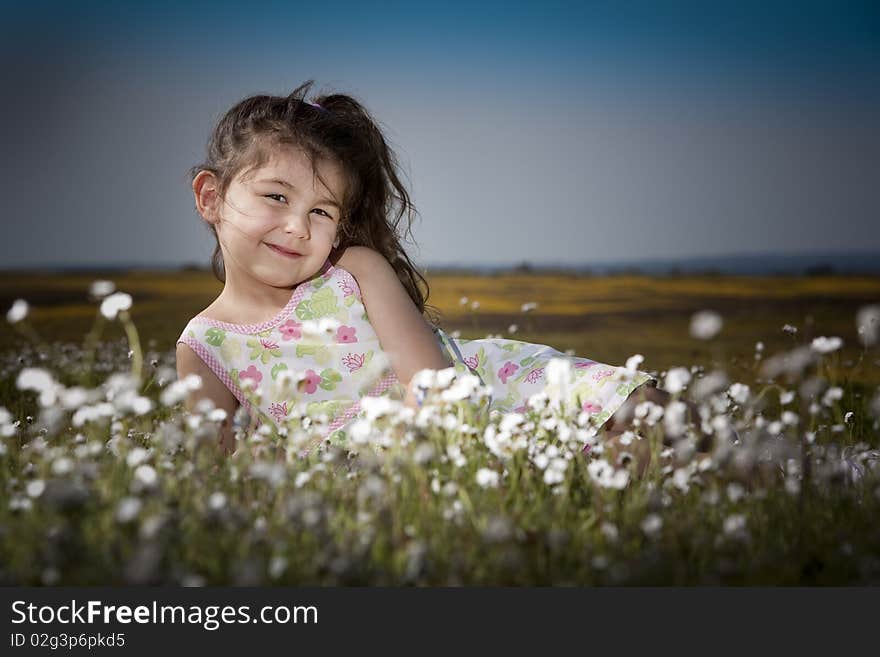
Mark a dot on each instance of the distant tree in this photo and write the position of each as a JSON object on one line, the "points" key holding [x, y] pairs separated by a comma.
{"points": [[819, 270], [192, 266], [524, 267]]}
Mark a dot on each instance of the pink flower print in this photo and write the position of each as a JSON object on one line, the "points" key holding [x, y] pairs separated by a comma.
{"points": [[590, 407], [279, 411], [291, 330], [251, 373], [310, 381], [507, 370], [346, 334], [353, 361], [584, 364], [472, 361], [535, 375], [268, 344], [598, 376], [347, 290], [520, 409]]}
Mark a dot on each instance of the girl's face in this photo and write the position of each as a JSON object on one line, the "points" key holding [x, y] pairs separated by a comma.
{"points": [[278, 222]]}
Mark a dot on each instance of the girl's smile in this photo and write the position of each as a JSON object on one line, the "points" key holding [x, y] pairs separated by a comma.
{"points": [[282, 251]]}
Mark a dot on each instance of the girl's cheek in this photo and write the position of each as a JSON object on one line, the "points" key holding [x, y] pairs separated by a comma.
{"points": [[255, 227]]}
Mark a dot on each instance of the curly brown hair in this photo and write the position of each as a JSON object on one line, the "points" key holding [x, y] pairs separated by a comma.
{"points": [[341, 130]]}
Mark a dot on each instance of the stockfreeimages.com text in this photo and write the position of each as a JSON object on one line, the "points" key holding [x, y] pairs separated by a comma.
{"points": [[210, 617]]}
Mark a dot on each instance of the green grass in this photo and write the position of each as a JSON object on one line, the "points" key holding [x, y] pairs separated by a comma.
{"points": [[363, 514]]}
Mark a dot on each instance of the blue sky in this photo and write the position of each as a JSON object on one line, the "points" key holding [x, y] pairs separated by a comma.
{"points": [[564, 132]]}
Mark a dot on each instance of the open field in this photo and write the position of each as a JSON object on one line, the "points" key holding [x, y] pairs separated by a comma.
{"points": [[604, 318], [105, 479]]}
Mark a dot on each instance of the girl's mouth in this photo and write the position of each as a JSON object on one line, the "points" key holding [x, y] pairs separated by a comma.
{"points": [[282, 251]]}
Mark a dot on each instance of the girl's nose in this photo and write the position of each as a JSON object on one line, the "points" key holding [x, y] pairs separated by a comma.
{"points": [[297, 223]]}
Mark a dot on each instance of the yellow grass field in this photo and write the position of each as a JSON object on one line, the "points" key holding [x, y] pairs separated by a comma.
{"points": [[607, 318]]}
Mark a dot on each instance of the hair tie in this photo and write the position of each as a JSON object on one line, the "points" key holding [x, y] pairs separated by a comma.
{"points": [[315, 105]]}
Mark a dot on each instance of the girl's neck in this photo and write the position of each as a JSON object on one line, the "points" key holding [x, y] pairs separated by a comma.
{"points": [[250, 301]]}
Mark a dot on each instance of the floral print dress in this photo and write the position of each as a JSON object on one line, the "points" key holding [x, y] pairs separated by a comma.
{"points": [[320, 350]]}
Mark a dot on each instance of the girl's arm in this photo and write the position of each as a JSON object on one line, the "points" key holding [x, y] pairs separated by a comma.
{"points": [[402, 331], [188, 362]]}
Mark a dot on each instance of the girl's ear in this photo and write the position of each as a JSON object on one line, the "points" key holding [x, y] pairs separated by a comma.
{"points": [[205, 190]]}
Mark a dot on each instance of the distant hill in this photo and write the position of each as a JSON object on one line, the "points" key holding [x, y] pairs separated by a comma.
{"points": [[845, 263], [744, 264]]}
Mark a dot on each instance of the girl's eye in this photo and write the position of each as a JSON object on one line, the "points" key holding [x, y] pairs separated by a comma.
{"points": [[280, 196]]}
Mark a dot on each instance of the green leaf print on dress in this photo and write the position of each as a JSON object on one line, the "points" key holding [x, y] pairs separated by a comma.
{"points": [[323, 303], [328, 407], [329, 379], [231, 350], [320, 353], [276, 368], [215, 336], [264, 349]]}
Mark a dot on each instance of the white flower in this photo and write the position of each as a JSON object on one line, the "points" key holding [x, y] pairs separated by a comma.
{"points": [[559, 371], [734, 524], [513, 328], [868, 324], [676, 380], [146, 475], [610, 531], [137, 456], [376, 407], [90, 413], [674, 418], [833, 394], [790, 418], [100, 289], [649, 412], [113, 304], [735, 491], [553, 476], [178, 390], [302, 479], [18, 311], [487, 478], [604, 474], [217, 501], [360, 431], [652, 524], [705, 324], [788, 328], [633, 362], [527, 307], [277, 566], [823, 345], [739, 392], [128, 509], [74, 397], [62, 466], [35, 488], [39, 380], [680, 479], [463, 301], [786, 397]]}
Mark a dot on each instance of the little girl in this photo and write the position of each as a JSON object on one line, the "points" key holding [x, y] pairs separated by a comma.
{"points": [[320, 302]]}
